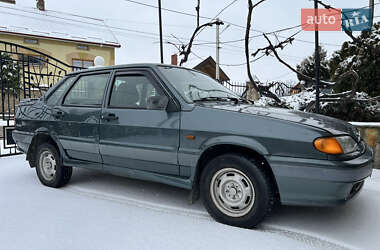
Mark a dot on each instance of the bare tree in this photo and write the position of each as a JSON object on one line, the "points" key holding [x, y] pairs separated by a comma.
{"points": [[264, 90], [197, 9], [185, 50], [339, 97]]}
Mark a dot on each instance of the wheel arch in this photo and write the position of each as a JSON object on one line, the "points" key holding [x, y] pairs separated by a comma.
{"points": [[39, 138], [217, 149]]}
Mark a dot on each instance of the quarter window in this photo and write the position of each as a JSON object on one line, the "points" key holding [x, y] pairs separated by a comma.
{"points": [[133, 91], [88, 91], [53, 98]]}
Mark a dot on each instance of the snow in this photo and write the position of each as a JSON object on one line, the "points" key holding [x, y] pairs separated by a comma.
{"points": [[296, 102], [98, 211], [3, 123], [54, 24], [299, 100], [366, 124], [2, 149]]}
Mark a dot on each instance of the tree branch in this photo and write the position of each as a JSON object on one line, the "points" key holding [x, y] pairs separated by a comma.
{"points": [[261, 89], [273, 49], [187, 49], [197, 9]]}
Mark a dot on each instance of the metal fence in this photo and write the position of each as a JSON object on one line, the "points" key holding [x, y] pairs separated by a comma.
{"points": [[24, 73], [237, 87], [279, 88]]}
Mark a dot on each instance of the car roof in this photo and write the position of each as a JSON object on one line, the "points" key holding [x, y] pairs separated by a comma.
{"points": [[123, 66]]}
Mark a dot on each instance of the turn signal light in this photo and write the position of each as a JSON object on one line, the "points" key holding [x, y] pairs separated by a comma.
{"points": [[328, 145]]}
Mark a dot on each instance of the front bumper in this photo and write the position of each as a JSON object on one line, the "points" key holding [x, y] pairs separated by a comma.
{"points": [[313, 182]]}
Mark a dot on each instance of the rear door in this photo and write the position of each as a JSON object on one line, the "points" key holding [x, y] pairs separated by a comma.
{"points": [[78, 117], [133, 134]]}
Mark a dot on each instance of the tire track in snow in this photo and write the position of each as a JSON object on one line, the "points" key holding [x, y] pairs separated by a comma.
{"points": [[140, 203], [307, 239]]}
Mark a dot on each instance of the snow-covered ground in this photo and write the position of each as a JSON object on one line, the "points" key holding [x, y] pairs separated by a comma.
{"points": [[97, 211]]}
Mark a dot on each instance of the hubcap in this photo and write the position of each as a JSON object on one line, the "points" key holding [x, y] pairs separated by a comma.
{"points": [[47, 165], [232, 192]]}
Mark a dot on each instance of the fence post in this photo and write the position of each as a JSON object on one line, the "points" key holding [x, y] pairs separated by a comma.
{"points": [[252, 94]]}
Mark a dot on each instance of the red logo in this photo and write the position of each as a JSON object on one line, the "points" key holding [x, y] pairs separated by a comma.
{"points": [[323, 20]]}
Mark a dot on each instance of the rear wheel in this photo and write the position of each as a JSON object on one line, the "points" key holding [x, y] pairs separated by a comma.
{"points": [[49, 168], [236, 190]]}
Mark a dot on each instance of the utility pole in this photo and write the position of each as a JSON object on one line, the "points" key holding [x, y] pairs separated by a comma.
{"points": [[160, 24], [317, 59], [372, 8], [217, 73]]}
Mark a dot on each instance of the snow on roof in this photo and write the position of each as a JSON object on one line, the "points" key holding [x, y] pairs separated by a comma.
{"points": [[55, 25]]}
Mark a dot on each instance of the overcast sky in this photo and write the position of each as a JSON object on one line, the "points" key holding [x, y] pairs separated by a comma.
{"points": [[270, 15]]}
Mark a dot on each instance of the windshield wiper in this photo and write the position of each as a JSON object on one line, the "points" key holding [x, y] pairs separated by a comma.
{"points": [[236, 100]]}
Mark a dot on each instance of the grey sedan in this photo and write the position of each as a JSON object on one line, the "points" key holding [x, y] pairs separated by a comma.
{"points": [[179, 127]]}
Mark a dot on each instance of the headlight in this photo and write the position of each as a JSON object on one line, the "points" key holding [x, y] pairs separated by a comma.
{"points": [[336, 145]]}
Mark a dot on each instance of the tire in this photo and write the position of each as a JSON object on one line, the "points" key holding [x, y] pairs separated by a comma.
{"points": [[236, 190], [32, 164], [49, 168]]}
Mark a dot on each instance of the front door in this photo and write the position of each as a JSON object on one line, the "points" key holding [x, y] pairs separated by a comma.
{"points": [[133, 133], [79, 117]]}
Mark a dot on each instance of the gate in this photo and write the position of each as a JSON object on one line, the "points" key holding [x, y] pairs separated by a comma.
{"points": [[24, 73]]}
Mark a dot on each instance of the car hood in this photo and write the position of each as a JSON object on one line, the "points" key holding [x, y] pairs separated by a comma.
{"points": [[332, 125]]}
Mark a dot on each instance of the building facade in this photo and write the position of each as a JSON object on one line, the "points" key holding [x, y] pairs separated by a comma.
{"points": [[72, 39]]}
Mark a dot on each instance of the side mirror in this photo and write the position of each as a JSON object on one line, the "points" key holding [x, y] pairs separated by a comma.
{"points": [[158, 102]]}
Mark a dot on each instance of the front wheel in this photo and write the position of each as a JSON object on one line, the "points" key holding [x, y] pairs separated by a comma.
{"points": [[49, 168], [236, 190]]}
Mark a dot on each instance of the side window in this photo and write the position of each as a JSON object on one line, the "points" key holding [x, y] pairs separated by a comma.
{"points": [[133, 91], [88, 90], [53, 98]]}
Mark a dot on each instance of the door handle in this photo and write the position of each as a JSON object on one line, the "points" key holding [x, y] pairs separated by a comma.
{"points": [[109, 116], [58, 113]]}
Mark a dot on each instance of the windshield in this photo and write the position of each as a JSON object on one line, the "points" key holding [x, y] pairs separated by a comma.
{"points": [[194, 86]]}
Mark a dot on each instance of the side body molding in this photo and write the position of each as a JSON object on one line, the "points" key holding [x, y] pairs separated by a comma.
{"points": [[188, 158]]}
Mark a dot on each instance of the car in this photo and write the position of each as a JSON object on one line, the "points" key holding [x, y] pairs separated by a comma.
{"points": [[180, 127]]}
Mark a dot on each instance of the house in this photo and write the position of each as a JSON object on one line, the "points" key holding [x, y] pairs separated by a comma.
{"points": [[297, 88], [72, 39], [208, 66]]}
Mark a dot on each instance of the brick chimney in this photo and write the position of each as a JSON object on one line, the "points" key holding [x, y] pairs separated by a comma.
{"points": [[174, 59], [41, 5]]}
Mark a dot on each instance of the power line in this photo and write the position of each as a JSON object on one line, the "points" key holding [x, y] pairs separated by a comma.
{"points": [[220, 12], [138, 31], [236, 25], [241, 64], [96, 25], [119, 30], [209, 18]]}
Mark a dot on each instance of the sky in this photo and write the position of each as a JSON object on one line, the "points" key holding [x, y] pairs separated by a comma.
{"points": [[139, 38]]}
